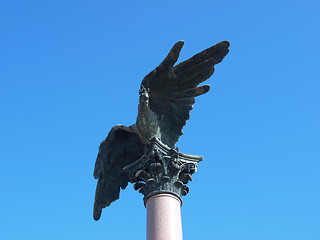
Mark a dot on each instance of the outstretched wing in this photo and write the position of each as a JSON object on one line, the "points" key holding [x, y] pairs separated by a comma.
{"points": [[121, 148], [173, 89]]}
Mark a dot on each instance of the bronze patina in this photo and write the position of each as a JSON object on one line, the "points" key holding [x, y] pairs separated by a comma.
{"points": [[144, 153]]}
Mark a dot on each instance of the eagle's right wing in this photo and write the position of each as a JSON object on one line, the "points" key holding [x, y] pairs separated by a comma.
{"points": [[121, 148], [173, 89]]}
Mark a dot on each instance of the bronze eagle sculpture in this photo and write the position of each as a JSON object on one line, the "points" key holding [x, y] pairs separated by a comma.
{"points": [[167, 95]]}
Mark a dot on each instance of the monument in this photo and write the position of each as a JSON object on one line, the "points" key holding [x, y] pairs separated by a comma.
{"points": [[145, 153]]}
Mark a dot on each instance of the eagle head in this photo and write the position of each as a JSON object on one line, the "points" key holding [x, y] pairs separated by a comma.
{"points": [[144, 95]]}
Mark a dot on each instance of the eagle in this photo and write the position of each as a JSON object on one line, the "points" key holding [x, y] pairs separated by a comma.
{"points": [[167, 95]]}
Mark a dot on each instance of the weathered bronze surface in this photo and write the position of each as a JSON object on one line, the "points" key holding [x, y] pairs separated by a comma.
{"points": [[162, 170], [144, 152]]}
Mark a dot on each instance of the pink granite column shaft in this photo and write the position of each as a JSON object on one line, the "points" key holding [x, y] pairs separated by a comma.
{"points": [[164, 217]]}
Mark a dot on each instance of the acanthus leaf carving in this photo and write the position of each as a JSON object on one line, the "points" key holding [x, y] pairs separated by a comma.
{"points": [[162, 169]]}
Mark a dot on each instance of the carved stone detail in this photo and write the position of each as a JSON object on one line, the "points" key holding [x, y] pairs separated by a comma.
{"points": [[162, 170]]}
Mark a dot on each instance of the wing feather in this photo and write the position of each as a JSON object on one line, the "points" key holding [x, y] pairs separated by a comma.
{"points": [[121, 148], [173, 88]]}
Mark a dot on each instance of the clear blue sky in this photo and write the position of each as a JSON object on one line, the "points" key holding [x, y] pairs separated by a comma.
{"points": [[70, 70]]}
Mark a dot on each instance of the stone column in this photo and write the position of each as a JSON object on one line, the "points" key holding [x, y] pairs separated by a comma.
{"points": [[161, 175], [164, 217]]}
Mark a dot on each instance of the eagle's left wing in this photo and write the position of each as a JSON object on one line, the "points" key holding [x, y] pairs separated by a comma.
{"points": [[121, 148]]}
